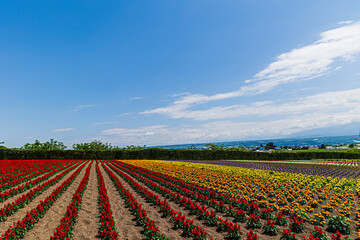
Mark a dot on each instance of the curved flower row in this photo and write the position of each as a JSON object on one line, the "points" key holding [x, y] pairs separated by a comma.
{"points": [[64, 230], [177, 218], [150, 230], [348, 170], [107, 228], [11, 208], [203, 195], [223, 225], [19, 229], [278, 193]]}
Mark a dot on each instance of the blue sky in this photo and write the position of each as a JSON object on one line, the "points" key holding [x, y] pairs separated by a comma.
{"points": [[172, 72]]}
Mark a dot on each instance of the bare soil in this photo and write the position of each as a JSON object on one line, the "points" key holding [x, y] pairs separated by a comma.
{"points": [[46, 226], [22, 212], [88, 216], [124, 221], [164, 225]]}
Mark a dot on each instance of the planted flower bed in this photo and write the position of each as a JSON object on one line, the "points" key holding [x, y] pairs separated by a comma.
{"points": [[199, 201]]}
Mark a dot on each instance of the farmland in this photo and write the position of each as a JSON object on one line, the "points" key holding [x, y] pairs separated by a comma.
{"points": [[153, 199]]}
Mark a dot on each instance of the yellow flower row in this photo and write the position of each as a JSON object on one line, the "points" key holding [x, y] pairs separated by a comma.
{"points": [[297, 194]]}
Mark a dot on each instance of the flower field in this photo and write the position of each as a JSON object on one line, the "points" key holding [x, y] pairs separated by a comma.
{"points": [[160, 200]]}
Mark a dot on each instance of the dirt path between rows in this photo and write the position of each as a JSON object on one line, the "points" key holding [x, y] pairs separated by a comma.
{"points": [[211, 231], [88, 216], [164, 225], [124, 220], [22, 212], [46, 226], [13, 198]]}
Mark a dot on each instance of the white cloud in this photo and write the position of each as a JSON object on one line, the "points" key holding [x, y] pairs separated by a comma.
{"points": [[135, 98], [63, 129], [104, 123], [324, 102], [345, 22], [300, 64], [124, 114], [180, 94], [228, 130], [78, 108], [28, 137], [139, 132]]}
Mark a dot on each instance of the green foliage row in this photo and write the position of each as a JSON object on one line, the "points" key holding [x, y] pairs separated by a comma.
{"points": [[50, 145], [171, 154]]}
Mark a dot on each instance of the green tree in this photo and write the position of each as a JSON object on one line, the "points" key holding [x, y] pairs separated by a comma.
{"points": [[133, 147], [270, 145], [234, 148], [192, 147], [50, 145], [212, 146], [1, 144], [322, 146], [94, 146]]}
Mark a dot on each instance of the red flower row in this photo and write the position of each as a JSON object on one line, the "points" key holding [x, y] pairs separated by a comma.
{"points": [[23, 177], [23, 187], [107, 228], [12, 169], [177, 218], [22, 226], [10, 208], [150, 230], [64, 230]]}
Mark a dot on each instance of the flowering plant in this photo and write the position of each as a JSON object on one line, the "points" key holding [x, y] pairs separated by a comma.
{"points": [[270, 228], [287, 235], [319, 233], [253, 221], [296, 225]]}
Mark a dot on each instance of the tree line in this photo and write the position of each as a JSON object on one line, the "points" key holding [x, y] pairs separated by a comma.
{"points": [[94, 145]]}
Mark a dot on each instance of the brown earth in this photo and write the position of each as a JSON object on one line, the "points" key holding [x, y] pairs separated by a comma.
{"points": [[164, 225], [88, 216], [46, 226], [22, 212]]}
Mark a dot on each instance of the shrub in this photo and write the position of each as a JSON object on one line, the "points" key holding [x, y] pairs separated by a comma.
{"points": [[340, 224]]}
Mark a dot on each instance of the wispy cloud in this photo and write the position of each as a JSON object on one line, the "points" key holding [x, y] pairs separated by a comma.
{"points": [[28, 137], [325, 102], [135, 98], [137, 132], [345, 22], [78, 108], [229, 130], [300, 64], [124, 114], [104, 123], [63, 129]]}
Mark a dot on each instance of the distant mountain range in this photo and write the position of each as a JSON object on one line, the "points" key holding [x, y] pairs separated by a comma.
{"points": [[329, 140]]}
